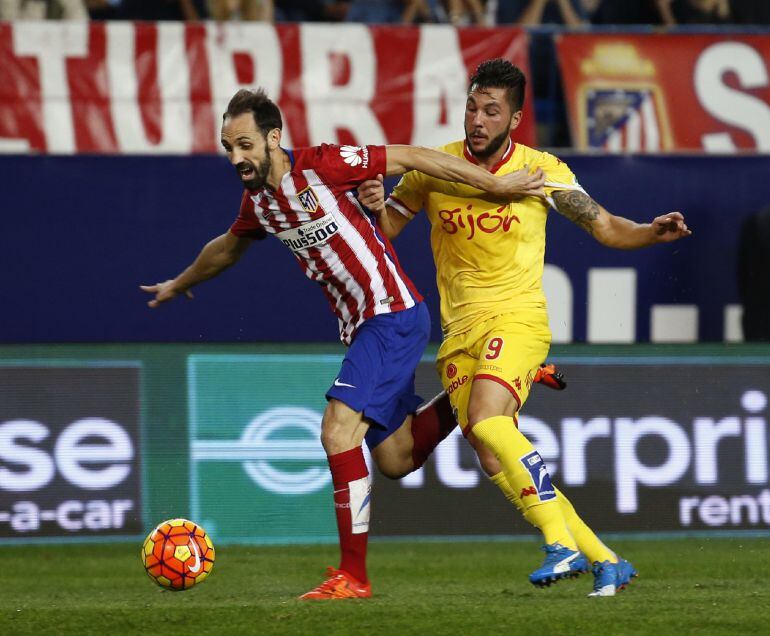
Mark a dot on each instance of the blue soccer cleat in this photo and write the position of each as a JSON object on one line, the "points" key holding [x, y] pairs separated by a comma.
{"points": [[612, 577], [605, 579], [626, 572], [560, 563]]}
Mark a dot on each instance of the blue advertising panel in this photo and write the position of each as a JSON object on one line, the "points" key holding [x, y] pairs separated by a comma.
{"points": [[80, 234]]}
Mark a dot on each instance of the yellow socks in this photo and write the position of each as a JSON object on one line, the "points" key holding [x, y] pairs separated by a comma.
{"points": [[501, 482], [527, 476], [587, 541]]}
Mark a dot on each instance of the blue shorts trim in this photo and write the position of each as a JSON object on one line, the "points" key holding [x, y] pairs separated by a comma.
{"points": [[377, 374]]}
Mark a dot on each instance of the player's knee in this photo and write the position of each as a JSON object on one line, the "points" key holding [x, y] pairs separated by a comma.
{"points": [[335, 434], [341, 428], [478, 411], [330, 435]]}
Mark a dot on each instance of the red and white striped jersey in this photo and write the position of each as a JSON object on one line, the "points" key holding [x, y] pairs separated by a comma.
{"points": [[315, 214]]}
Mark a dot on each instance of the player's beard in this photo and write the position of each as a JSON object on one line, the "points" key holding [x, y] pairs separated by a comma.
{"points": [[261, 170], [492, 147]]}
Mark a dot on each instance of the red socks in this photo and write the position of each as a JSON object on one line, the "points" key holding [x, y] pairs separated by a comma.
{"points": [[352, 486], [430, 425], [352, 495]]}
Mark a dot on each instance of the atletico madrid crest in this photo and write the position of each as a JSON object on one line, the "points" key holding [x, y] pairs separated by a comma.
{"points": [[624, 118], [308, 200]]}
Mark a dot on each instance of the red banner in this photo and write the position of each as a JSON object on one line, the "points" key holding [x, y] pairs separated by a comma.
{"points": [[161, 88], [657, 93]]}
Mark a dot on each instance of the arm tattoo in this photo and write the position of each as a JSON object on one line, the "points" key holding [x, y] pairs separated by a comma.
{"points": [[578, 207]]}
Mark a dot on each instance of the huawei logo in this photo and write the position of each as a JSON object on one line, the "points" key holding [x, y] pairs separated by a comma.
{"points": [[355, 155]]}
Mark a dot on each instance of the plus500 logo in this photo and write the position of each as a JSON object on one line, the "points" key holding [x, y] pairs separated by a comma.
{"points": [[78, 457]]}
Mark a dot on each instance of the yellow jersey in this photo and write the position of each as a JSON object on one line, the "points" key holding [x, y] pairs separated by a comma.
{"points": [[488, 250]]}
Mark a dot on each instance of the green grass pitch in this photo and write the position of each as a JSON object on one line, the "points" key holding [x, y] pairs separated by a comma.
{"points": [[687, 586]]}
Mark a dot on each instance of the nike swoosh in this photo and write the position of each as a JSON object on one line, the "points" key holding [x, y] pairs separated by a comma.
{"points": [[196, 568], [338, 383]]}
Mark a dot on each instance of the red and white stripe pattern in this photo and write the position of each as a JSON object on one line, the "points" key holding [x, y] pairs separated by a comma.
{"points": [[358, 270], [638, 131]]}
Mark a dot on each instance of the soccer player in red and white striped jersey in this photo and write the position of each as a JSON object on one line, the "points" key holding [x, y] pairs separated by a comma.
{"points": [[314, 213], [304, 198]]}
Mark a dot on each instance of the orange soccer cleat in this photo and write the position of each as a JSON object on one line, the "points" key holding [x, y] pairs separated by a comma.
{"points": [[339, 585], [548, 375]]}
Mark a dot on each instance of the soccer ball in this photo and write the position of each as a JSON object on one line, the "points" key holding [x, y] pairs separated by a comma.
{"points": [[178, 554]]}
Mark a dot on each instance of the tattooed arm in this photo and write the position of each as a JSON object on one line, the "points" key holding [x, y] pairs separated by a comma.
{"points": [[617, 231]]}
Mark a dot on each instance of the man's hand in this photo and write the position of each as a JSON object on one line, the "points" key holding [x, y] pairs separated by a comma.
{"points": [[522, 183], [371, 194], [163, 292], [670, 227]]}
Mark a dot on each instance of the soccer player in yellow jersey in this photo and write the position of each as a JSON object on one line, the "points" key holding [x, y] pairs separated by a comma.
{"points": [[489, 255]]}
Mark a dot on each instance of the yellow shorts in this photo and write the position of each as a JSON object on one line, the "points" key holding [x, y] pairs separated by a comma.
{"points": [[507, 349]]}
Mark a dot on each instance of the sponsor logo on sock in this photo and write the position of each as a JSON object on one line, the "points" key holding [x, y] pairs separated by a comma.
{"points": [[526, 492], [360, 497], [540, 477]]}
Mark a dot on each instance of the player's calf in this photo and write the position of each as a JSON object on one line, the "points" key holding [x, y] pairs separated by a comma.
{"points": [[411, 444], [430, 425], [393, 456]]}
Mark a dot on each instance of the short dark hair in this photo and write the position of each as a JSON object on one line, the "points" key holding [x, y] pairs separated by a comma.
{"points": [[499, 73], [265, 112]]}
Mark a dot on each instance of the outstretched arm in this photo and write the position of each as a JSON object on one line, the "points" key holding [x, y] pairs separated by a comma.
{"points": [[217, 255], [617, 231], [441, 165]]}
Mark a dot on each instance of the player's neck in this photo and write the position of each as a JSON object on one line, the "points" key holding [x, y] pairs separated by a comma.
{"points": [[280, 164], [492, 160]]}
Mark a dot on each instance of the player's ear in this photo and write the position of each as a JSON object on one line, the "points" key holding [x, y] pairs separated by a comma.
{"points": [[515, 120], [274, 139]]}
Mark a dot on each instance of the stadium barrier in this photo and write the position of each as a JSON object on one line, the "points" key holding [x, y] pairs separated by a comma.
{"points": [[101, 442], [112, 223]]}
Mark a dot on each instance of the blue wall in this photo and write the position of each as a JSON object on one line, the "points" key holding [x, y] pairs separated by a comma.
{"points": [[79, 234]]}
